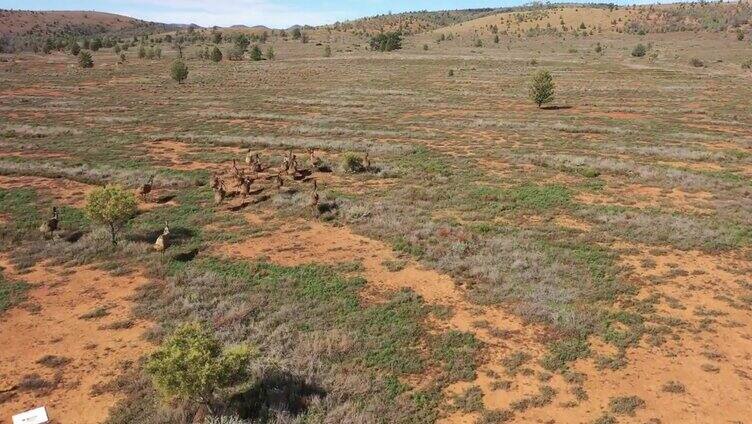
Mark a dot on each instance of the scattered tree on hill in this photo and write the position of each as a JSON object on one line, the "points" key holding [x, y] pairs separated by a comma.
{"points": [[216, 54], [96, 44], [386, 41], [112, 206], [178, 71], [639, 50], [85, 60], [75, 49], [270, 53], [242, 42], [192, 366], [296, 34], [141, 52], [542, 88], [256, 53]]}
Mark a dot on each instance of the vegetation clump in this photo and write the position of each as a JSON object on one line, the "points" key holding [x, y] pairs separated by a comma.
{"points": [[386, 41], [179, 71], [112, 206], [639, 50], [85, 60], [216, 54], [542, 88], [192, 365]]}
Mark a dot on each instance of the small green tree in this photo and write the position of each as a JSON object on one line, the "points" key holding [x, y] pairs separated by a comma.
{"points": [[256, 53], [178, 71], [96, 44], [270, 53], [85, 60], [242, 42], [639, 50], [112, 206], [542, 88], [75, 49], [216, 54], [192, 366]]}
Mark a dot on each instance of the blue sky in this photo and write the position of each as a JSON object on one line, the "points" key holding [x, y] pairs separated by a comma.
{"points": [[273, 13]]}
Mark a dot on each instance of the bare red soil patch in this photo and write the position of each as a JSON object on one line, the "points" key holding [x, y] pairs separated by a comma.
{"points": [[85, 352], [63, 191]]}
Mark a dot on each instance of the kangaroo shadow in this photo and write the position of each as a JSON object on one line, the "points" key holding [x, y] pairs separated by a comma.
{"points": [[277, 392], [554, 107]]}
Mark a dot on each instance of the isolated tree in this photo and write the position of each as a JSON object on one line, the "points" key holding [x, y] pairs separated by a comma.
{"points": [[112, 206], [75, 49], [192, 366], [256, 53], [216, 54], [85, 60], [542, 88], [178, 71], [639, 50], [270, 53]]}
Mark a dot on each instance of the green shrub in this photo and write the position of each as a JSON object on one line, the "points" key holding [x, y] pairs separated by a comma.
{"points": [[85, 60], [112, 206], [270, 53], [625, 405], [542, 88], [192, 366], [141, 52], [386, 41], [75, 49], [352, 163], [179, 71], [256, 53], [216, 54], [639, 50]]}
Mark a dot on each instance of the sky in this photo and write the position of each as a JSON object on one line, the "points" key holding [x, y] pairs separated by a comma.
{"points": [[272, 13]]}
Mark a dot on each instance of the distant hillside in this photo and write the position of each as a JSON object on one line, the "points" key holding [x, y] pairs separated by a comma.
{"points": [[409, 22], [19, 26], [589, 19]]}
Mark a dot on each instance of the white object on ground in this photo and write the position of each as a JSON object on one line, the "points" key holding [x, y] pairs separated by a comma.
{"points": [[34, 416]]}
